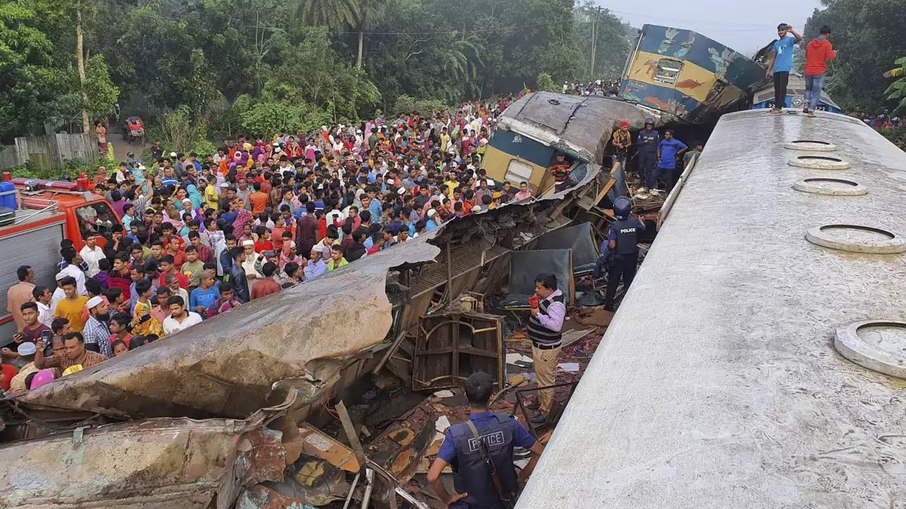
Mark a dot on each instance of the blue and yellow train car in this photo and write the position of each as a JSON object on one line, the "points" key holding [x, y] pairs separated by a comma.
{"points": [[534, 129], [687, 75]]}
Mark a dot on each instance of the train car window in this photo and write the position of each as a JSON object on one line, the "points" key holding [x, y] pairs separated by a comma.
{"points": [[96, 218], [667, 70], [518, 171]]}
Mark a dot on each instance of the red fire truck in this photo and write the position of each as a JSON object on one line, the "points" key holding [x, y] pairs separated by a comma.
{"points": [[43, 214]]}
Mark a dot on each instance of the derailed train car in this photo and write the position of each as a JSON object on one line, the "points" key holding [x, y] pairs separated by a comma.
{"points": [[687, 76], [758, 358], [536, 128]]}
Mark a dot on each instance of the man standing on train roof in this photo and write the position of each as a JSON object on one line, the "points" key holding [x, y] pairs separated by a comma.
{"points": [[781, 64], [623, 245], [480, 452], [648, 141], [818, 52]]}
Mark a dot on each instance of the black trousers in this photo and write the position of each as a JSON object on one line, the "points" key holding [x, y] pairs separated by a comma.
{"points": [[623, 267], [781, 80]]}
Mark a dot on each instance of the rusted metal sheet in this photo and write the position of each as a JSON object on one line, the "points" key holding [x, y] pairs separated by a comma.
{"points": [[262, 497], [228, 366], [153, 464]]}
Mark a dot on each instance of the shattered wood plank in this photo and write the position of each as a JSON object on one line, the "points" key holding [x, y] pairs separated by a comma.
{"points": [[319, 444], [227, 366]]}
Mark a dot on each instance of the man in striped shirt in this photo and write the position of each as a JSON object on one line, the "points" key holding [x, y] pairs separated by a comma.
{"points": [[544, 331]]}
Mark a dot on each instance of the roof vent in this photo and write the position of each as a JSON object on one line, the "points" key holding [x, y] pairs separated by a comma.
{"points": [[819, 163], [877, 345], [810, 146], [856, 239], [830, 186]]}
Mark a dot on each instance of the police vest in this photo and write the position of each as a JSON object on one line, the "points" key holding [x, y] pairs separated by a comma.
{"points": [[539, 334], [627, 231], [471, 474]]}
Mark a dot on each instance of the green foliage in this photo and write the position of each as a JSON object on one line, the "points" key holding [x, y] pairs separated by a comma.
{"points": [[29, 80], [178, 131], [868, 35], [546, 83], [407, 104], [896, 92], [897, 136]]}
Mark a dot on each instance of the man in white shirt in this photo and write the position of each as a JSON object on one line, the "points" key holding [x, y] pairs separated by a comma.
{"points": [[43, 297], [180, 318], [92, 254], [72, 269]]}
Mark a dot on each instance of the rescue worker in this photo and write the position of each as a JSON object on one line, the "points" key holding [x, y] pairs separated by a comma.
{"points": [[667, 151], [484, 476], [560, 171], [621, 141], [548, 310], [623, 244], [648, 141]]}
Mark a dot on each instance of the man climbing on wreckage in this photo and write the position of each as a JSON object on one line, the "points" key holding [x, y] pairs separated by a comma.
{"points": [[480, 451]]}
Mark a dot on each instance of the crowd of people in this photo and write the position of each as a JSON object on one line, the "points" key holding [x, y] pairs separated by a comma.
{"points": [[202, 236]]}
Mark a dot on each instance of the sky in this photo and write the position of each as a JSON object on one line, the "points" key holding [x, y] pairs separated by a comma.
{"points": [[745, 26]]}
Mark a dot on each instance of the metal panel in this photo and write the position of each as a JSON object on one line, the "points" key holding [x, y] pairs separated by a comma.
{"points": [[451, 347], [38, 248]]}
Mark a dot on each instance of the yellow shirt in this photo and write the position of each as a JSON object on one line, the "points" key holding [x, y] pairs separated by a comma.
{"points": [[210, 196], [332, 265], [71, 309]]}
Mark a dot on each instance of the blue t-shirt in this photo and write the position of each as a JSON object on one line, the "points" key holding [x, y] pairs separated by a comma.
{"points": [[203, 298], [521, 436], [669, 148], [783, 49]]}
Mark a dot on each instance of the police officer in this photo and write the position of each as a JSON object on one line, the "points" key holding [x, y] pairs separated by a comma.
{"points": [[483, 473], [648, 141], [623, 242]]}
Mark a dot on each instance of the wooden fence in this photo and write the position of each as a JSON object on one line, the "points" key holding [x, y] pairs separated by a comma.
{"points": [[49, 152]]}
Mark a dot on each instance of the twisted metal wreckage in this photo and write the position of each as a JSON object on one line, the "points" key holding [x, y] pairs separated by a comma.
{"points": [[218, 415]]}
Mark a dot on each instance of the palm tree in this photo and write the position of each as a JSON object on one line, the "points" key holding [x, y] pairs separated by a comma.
{"points": [[897, 90], [340, 15]]}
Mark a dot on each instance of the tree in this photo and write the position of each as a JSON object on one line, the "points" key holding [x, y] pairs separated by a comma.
{"points": [[897, 90], [546, 83], [340, 15]]}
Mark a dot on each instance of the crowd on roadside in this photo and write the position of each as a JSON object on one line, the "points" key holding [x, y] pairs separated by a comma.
{"points": [[201, 236], [880, 121], [608, 87]]}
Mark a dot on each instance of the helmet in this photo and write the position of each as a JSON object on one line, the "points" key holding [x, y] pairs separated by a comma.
{"points": [[649, 120], [622, 207]]}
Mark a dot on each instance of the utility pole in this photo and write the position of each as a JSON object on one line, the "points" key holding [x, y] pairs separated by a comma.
{"points": [[594, 41]]}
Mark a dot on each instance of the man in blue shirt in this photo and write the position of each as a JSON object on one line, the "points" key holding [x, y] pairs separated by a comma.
{"points": [[667, 151], [781, 63], [204, 297], [472, 460]]}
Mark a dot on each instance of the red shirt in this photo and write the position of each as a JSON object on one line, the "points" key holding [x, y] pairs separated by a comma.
{"points": [[183, 282], [262, 245], [818, 52]]}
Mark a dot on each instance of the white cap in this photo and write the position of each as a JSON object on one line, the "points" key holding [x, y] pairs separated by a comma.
{"points": [[401, 191], [248, 242], [431, 212], [27, 348], [173, 154], [93, 302], [60, 276]]}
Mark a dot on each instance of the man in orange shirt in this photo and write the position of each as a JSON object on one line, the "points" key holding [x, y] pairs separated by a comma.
{"points": [[258, 199], [818, 52]]}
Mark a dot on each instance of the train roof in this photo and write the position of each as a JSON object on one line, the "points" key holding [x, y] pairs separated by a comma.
{"points": [[579, 125], [718, 383]]}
